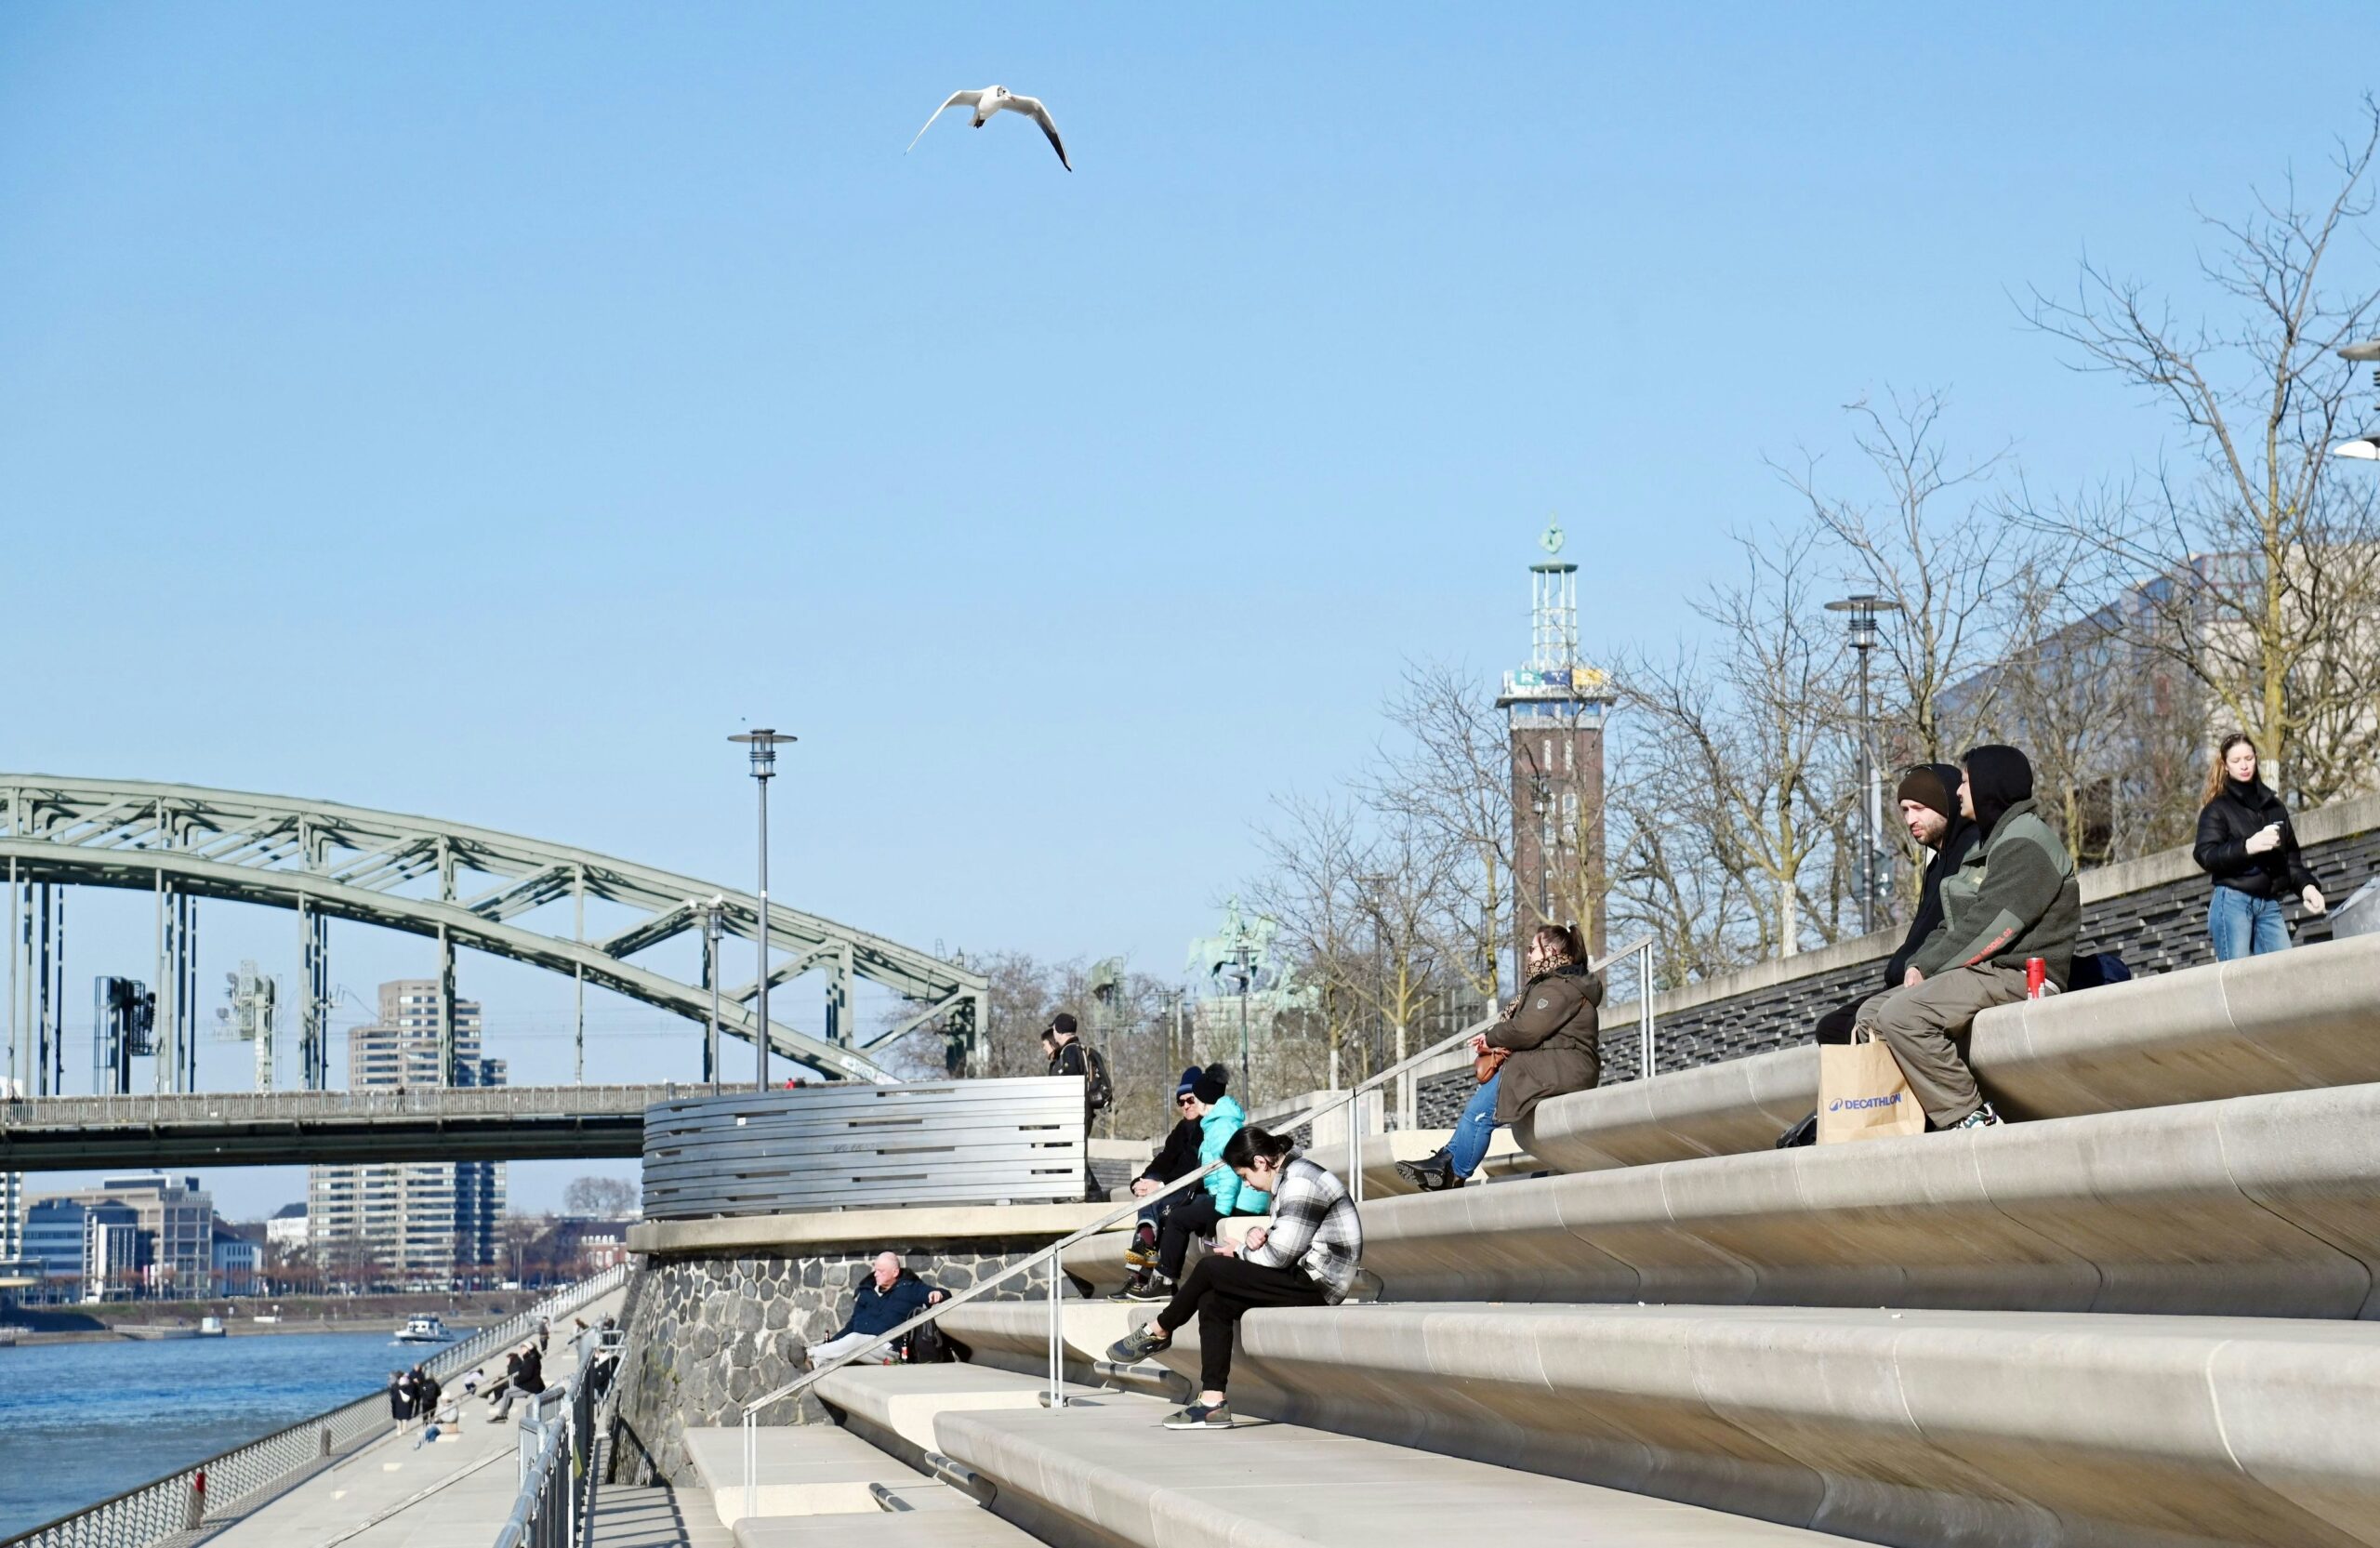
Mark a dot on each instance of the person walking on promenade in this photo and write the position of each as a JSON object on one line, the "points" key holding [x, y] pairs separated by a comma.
{"points": [[2015, 896], [1197, 1212], [1308, 1256], [400, 1399], [2246, 842], [1547, 1041], [1175, 1159]]}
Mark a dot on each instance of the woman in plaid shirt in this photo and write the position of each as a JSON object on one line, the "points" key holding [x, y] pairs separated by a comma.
{"points": [[1306, 1257]]}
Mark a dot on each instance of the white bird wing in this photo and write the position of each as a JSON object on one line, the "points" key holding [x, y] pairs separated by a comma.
{"points": [[1032, 108], [958, 100]]}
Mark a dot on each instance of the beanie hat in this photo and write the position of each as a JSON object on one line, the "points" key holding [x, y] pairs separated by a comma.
{"points": [[1063, 1024], [1207, 1088], [1931, 785], [1182, 1087]]}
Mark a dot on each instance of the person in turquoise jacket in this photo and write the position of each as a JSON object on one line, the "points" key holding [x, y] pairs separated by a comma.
{"points": [[1196, 1213]]}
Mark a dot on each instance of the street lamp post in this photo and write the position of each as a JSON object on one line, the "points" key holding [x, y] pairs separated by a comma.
{"points": [[2365, 448], [1864, 608], [763, 745]]}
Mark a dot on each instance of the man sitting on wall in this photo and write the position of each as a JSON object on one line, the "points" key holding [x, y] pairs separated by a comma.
{"points": [[890, 1296]]}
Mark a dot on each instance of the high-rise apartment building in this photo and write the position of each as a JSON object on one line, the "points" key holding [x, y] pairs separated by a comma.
{"points": [[415, 1222]]}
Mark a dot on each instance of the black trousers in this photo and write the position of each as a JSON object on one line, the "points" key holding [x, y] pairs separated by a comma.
{"points": [[1835, 1025], [1194, 1216], [1218, 1291]]}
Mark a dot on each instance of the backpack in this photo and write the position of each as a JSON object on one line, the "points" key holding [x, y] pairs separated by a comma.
{"points": [[1099, 1090]]}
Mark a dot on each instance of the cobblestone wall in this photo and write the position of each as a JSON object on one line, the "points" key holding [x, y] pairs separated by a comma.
{"points": [[2155, 929], [707, 1334]]}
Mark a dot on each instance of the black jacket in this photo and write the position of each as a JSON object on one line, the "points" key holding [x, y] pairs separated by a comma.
{"points": [[1178, 1157], [1957, 842], [2224, 826]]}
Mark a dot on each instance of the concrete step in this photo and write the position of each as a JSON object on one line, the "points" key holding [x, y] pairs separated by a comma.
{"points": [[1381, 1152], [1104, 1471], [804, 1470], [2259, 1206], [653, 1517], [2289, 1021], [1916, 1428]]}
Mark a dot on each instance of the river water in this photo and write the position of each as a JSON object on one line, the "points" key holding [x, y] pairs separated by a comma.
{"points": [[80, 1422]]}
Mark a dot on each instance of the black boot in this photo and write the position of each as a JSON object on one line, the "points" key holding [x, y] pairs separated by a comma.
{"points": [[1432, 1173]]}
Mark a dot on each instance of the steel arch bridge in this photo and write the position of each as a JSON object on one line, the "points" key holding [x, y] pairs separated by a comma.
{"points": [[459, 885]]}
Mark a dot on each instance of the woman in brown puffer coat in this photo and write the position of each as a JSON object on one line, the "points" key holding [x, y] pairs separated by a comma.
{"points": [[1548, 1042]]}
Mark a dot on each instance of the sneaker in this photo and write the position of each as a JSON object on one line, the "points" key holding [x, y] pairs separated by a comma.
{"points": [[1138, 1345], [1142, 1252], [1151, 1286], [1128, 1291], [1202, 1416], [1431, 1173], [1982, 1118]]}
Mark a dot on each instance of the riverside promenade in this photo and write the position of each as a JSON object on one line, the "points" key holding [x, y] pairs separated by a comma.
{"points": [[452, 1492]]}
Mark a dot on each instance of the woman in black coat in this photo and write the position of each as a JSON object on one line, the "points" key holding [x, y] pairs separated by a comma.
{"points": [[2246, 843]]}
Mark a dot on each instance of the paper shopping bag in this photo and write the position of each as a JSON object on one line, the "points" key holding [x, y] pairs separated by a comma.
{"points": [[1863, 1094]]}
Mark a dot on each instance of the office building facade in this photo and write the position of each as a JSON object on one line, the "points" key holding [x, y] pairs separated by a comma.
{"points": [[412, 1223]]}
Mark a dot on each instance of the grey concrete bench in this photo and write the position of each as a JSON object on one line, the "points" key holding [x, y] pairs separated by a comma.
{"points": [[1911, 1427], [1105, 1471], [2256, 1206], [2289, 1021]]}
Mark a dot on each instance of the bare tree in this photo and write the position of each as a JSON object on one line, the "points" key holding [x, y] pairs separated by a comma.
{"points": [[1752, 740], [2252, 567], [1450, 774], [603, 1197]]}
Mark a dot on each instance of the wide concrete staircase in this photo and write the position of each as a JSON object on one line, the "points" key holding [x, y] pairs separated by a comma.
{"points": [[2149, 1315]]}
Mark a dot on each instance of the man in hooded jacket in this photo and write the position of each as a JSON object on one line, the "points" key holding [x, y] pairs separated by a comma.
{"points": [[2014, 895]]}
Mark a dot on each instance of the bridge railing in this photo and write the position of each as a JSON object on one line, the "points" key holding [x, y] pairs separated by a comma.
{"points": [[185, 1499], [267, 1106]]}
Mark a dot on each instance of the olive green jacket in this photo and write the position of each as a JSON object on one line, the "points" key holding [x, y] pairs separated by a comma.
{"points": [[2015, 895]]}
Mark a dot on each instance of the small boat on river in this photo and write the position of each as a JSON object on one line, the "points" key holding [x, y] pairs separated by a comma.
{"points": [[424, 1328]]}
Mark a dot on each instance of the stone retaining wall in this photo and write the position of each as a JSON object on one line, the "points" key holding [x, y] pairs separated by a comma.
{"points": [[708, 1333]]}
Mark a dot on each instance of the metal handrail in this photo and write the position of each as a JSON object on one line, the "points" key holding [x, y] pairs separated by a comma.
{"points": [[551, 1509]]}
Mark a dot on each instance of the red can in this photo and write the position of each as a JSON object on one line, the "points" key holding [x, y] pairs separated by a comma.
{"points": [[2036, 975]]}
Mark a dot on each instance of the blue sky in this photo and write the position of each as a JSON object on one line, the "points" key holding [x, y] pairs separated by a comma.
{"points": [[480, 411]]}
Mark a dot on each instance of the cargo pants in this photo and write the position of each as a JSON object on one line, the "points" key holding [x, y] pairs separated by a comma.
{"points": [[1921, 1023]]}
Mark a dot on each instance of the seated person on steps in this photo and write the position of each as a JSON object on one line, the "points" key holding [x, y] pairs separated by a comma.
{"points": [[1548, 1037], [2013, 897], [887, 1298], [1174, 1160], [1194, 1213], [1308, 1256]]}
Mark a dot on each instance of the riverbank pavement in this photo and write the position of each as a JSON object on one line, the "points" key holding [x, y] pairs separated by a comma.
{"points": [[452, 1492]]}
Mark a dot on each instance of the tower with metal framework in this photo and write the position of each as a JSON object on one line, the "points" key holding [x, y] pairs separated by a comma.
{"points": [[1555, 708]]}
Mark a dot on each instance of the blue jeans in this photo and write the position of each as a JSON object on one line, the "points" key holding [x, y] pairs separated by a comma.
{"points": [[2244, 926], [1473, 1129]]}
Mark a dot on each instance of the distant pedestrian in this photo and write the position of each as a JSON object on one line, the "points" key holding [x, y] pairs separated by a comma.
{"points": [[1061, 1041], [2245, 842], [400, 1398], [545, 1332]]}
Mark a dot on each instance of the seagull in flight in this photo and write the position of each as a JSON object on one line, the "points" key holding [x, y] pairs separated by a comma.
{"points": [[992, 100]]}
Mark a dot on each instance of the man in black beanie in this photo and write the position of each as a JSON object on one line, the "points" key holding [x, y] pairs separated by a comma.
{"points": [[1929, 808], [2015, 896]]}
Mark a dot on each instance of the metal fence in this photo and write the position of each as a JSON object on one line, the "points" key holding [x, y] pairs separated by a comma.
{"points": [[178, 1107], [824, 1147], [226, 1483], [555, 1505]]}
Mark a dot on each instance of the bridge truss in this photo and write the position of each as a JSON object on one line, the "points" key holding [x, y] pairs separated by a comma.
{"points": [[461, 886]]}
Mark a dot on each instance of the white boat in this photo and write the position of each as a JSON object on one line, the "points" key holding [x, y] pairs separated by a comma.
{"points": [[424, 1328]]}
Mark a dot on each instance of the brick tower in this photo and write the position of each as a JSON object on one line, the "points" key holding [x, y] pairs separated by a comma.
{"points": [[1554, 709]]}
